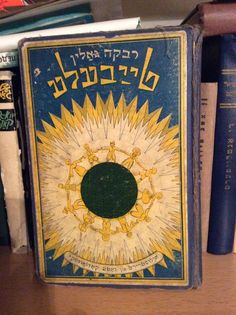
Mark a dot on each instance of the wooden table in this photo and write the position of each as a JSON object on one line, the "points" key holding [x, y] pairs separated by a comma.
{"points": [[22, 294]]}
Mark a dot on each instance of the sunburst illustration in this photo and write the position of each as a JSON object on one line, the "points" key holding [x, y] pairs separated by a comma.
{"points": [[110, 185]]}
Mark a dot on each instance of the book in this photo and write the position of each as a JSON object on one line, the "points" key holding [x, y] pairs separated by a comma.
{"points": [[47, 16], [214, 18], [27, 20], [11, 12], [6, 4], [38, 9], [222, 213], [207, 133], [11, 173], [111, 139], [8, 43], [20, 123]]}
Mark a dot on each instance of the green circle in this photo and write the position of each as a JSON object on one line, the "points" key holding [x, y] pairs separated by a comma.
{"points": [[109, 190]]}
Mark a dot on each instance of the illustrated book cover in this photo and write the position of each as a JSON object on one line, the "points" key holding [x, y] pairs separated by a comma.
{"points": [[112, 122]]}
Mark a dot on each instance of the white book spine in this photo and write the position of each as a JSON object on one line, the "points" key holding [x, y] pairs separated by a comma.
{"points": [[10, 42], [11, 172]]}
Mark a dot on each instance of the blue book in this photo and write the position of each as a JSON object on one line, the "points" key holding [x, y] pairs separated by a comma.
{"points": [[223, 196], [112, 128]]}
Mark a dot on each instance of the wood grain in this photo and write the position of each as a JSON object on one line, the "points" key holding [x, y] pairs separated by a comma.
{"points": [[22, 294]]}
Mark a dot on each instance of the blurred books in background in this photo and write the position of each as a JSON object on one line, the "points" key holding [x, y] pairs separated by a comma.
{"points": [[218, 24]]}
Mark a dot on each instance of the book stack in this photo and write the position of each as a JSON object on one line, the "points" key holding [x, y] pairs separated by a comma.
{"points": [[37, 20], [109, 130], [218, 23]]}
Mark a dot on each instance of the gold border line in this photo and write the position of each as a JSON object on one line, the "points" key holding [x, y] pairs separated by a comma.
{"points": [[98, 39], [33, 152]]}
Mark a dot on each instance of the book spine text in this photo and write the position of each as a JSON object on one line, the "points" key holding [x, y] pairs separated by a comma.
{"points": [[223, 197]]}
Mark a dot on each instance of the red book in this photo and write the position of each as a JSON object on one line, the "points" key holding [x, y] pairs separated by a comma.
{"points": [[214, 18], [4, 4]]}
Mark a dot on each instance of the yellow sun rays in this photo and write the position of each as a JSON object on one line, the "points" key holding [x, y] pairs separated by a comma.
{"points": [[160, 148]]}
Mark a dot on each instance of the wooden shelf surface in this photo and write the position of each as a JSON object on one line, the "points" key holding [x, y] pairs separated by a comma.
{"points": [[22, 294]]}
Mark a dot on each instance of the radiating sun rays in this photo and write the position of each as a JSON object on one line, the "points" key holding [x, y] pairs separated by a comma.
{"points": [[86, 159]]}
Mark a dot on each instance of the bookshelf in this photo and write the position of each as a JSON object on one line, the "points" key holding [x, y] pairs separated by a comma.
{"points": [[22, 294]]}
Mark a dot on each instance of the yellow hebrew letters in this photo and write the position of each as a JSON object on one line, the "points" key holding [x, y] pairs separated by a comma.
{"points": [[135, 70], [58, 92], [68, 74], [125, 70], [111, 79], [148, 74], [89, 82], [105, 74]]}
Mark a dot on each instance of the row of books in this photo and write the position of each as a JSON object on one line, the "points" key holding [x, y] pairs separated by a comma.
{"points": [[15, 19], [112, 194], [110, 124], [39, 20], [217, 124]]}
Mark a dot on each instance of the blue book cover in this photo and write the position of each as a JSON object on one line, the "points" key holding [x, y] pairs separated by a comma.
{"points": [[111, 139], [222, 212]]}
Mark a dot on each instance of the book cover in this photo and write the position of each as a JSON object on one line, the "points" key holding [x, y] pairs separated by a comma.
{"points": [[222, 212], [111, 139]]}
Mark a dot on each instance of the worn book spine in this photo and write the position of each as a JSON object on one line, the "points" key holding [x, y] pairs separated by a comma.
{"points": [[11, 166], [222, 212], [217, 18], [8, 59], [213, 18], [207, 133]]}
